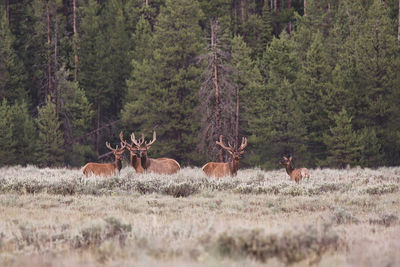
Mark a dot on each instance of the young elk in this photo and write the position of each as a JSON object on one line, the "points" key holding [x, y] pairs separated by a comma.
{"points": [[106, 169], [295, 174], [160, 165], [221, 169]]}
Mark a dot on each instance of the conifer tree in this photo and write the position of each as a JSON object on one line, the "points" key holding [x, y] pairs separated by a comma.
{"points": [[168, 106], [314, 83], [7, 144], [50, 141], [341, 141], [12, 74]]}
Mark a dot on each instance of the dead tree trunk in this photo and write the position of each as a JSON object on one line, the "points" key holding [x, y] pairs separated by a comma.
{"points": [[243, 10], [398, 26], [237, 117], [304, 8], [50, 87], [289, 2], [55, 85], [215, 79], [98, 125], [76, 59]]}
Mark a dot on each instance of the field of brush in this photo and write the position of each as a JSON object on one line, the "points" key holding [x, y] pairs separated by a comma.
{"points": [[56, 217]]}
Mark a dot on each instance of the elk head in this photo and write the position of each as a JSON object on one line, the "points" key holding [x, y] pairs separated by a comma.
{"points": [[286, 161], [234, 151], [118, 152]]}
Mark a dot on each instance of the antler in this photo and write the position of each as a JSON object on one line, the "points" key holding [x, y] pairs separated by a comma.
{"points": [[222, 144], [134, 141], [109, 147], [121, 137], [116, 149], [152, 141], [244, 144]]}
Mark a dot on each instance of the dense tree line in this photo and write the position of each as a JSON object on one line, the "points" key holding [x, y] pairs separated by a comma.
{"points": [[317, 79]]}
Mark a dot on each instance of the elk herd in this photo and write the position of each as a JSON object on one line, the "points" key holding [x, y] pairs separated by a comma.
{"points": [[139, 160]]}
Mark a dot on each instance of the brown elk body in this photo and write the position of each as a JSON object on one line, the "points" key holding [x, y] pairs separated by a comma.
{"points": [[142, 163], [294, 174], [105, 169], [222, 169]]}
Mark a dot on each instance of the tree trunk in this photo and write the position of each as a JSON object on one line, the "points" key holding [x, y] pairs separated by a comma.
{"points": [[50, 87], [147, 3], [398, 26], [272, 4], [289, 2], [7, 7], [304, 8], [56, 93], [76, 59], [243, 10], [98, 125], [216, 85], [237, 118]]}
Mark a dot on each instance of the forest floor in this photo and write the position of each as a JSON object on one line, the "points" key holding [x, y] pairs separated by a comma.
{"points": [[56, 217]]}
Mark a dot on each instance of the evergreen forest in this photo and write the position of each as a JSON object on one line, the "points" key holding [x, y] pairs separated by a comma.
{"points": [[316, 79]]}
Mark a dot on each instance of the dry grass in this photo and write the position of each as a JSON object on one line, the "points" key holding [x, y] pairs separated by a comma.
{"points": [[339, 217]]}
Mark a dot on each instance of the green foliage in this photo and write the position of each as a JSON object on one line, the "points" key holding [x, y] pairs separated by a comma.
{"points": [[341, 142], [12, 74], [18, 137], [50, 140]]}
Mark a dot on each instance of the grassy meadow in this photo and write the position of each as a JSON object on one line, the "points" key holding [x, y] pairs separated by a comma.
{"points": [[56, 217]]}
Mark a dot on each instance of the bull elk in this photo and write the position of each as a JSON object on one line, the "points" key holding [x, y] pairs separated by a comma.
{"points": [[145, 164], [295, 174], [106, 169], [221, 169]]}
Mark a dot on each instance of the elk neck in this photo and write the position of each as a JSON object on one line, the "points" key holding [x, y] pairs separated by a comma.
{"points": [[234, 166], [289, 169], [118, 164], [145, 162]]}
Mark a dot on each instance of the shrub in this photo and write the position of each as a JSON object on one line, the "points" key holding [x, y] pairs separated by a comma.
{"points": [[341, 216], [382, 189], [386, 220], [289, 247]]}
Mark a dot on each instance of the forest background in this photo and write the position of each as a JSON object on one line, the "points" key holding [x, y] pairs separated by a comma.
{"points": [[317, 79]]}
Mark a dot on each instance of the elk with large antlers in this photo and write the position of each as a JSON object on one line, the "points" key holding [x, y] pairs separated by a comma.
{"points": [[295, 174], [145, 164], [221, 169], [106, 169]]}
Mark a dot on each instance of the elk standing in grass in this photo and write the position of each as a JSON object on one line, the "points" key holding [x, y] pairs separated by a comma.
{"points": [[145, 164], [221, 169], [295, 174], [106, 169], [135, 160]]}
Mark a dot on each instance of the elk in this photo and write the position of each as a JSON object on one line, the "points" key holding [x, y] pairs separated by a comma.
{"points": [[221, 169], [134, 152], [106, 169], [145, 164], [295, 174]]}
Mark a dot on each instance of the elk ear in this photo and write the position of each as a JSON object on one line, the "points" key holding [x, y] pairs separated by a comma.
{"points": [[290, 158]]}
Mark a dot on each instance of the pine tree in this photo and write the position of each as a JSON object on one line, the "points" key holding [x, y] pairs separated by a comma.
{"points": [[7, 144], [341, 141], [50, 141], [76, 115], [168, 106], [12, 74], [24, 134], [376, 52], [314, 83]]}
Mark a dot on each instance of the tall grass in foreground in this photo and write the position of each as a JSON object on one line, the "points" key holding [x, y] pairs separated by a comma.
{"points": [[338, 217]]}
